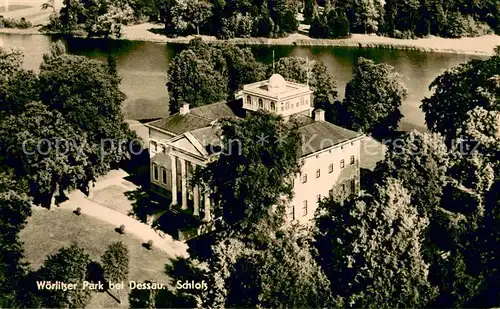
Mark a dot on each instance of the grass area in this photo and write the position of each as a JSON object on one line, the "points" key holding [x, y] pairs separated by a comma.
{"points": [[112, 197], [48, 230], [14, 7]]}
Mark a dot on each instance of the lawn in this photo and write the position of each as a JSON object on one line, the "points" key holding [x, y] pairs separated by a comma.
{"points": [[112, 197], [48, 230]]}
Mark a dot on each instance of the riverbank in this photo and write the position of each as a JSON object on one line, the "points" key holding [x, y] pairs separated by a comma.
{"points": [[481, 46]]}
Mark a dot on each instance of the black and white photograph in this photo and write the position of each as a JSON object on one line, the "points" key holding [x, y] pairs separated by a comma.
{"points": [[249, 154]]}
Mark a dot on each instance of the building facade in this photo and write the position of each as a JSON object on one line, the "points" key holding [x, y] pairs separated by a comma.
{"points": [[181, 143]]}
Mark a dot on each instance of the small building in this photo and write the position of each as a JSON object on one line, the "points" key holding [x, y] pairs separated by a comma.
{"points": [[183, 142]]}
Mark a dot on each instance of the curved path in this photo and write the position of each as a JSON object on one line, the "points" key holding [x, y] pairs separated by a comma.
{"points": [[142, 231]]}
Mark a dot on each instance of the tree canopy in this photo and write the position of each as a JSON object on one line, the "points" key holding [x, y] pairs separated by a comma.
{"points": [[370, 248], [68, 265], [204, 74], [458, 91], [373, 98]]}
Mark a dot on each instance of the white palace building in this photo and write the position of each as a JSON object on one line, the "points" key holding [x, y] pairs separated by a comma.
{"points": [[189, 139]]}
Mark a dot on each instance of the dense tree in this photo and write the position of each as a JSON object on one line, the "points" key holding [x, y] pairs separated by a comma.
{"points": [[282, 274], [366, 16], [115, 262], [68, 265], [204, 74], [370, 248], [401, 17], [16, 208], [198, 13], [481, 133], [183, 17], [242, 68], [11, 61], [17, 91], [331, 24], [195, 81], [420, 162], [46, 151], [324, 86], [458, 91], [228, 19], [373, 98], [295, 69], [309, 10], [101, 18], [87, 93]]}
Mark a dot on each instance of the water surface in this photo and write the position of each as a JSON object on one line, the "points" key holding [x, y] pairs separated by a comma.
{"points": [[143, 67]]}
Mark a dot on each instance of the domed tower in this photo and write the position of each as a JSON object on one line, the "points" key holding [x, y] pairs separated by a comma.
{"points": [[277, 95]]}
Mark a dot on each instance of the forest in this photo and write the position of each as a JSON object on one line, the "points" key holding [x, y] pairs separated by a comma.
{"points": [[277, 18]]}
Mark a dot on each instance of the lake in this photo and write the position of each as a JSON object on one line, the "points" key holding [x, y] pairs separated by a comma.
{"points": [[143, 67]]}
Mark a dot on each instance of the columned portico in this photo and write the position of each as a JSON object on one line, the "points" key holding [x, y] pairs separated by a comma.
{"points": [[180, 170]]}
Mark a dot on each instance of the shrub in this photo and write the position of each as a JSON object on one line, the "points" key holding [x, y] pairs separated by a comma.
{"points": [[149, 244], [12, 23], [78, 211], [122, 229]]}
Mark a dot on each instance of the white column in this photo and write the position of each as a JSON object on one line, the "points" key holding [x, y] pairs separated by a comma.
{"points": [[184, 184], [196, 196], [196, 210], [174, 179], [207, 217]]}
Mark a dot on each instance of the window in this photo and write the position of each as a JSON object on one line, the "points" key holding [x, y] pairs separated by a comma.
{"points": [[164, 176], [304, 178], [330, 168], [342, 163], [307, 102], [293, 182], [352, 160], [353, 186], [153, 146], [301, 101], [304, 208], [249, 100], [291, 212], [318, 173], [287, 105], [273, 106], [155, 172], [319, 198], [282, 107], [330, 193], [261, 103], [342, 188]]}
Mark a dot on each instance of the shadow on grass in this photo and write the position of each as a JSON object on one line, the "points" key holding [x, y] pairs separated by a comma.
{"points": [[146, 207], [172, 222]]}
